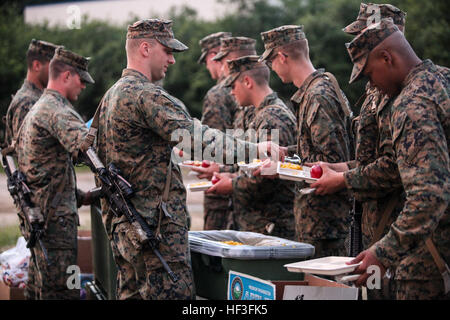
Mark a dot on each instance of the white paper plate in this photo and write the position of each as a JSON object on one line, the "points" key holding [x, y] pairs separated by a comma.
{"points": [[190, 166], [295, 175], [251, 165], [329, 266], [200, 186]]}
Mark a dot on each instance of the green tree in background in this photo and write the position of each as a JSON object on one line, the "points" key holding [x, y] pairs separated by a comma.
{"points": [[427, 29]]}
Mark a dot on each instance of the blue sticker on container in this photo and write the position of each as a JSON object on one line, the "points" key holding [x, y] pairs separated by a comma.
{"points": [[245, 287]]}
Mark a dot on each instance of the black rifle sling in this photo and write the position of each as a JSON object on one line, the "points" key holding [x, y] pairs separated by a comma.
{"points": [[89, 141], [57, 195]]}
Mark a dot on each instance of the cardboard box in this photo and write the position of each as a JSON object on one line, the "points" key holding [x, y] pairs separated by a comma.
{"points": [[84, 259], [11, 293], [314, 288]]}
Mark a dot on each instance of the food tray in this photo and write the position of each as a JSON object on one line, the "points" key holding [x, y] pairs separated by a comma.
{"points": [[200, 186], [190, 164], [329, 266], [252, 165], [294, 174]]}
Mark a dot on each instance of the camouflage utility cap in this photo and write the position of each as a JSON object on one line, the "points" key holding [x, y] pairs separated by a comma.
{"points": [[242, 64], [280, 36], [158, 29], [210, 42], [42, 48], [368, 15], [363, 43], [232, 44], [78, 62]]}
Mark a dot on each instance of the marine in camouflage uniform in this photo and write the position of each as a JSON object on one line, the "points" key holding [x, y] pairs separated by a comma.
{"points": [[136, 123], [22, 102], [233, 48], [420, 129], [323, 135], [376, 182], [48, 143], [257, 207], [218, 111], [30, 91], [374, 179]]}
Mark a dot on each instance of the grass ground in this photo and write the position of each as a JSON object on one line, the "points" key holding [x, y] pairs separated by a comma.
{"points": [[8, 236]]}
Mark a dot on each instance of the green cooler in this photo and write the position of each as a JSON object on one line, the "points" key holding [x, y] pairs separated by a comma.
{"points": [[105, 270], [250, 253]]}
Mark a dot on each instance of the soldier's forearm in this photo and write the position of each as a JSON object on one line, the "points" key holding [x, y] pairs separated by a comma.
{"points": [[380, 176]]}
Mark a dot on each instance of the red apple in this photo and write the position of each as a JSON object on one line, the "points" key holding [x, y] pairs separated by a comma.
{"points": [[316, 171], [214, 180], [205, 164]]}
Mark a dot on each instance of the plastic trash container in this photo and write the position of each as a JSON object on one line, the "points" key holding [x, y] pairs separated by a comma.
{"points": [[259, 255], [105, 270]]}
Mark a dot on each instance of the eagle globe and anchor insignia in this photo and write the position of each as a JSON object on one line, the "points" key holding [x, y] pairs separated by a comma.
{"points": [[237, 289]]}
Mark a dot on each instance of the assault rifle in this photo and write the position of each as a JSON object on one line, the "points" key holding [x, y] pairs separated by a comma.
{"points": [[118, 192], [18, 188]]}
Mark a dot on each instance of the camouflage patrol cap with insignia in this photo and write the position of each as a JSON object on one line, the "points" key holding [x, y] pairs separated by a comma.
{"points": [[240, 65], [280, 36], [158, 29], [361, 46], [210, 42], [367, 15], [232, 44], [42, 48], [78, 62]]}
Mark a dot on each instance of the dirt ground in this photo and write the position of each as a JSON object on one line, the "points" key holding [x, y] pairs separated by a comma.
{"points": [[85, 182]]}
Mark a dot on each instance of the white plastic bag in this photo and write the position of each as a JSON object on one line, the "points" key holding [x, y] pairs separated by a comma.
{"points": [[14, 264]]}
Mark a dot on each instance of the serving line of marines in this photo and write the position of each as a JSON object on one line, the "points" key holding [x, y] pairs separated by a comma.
{"points": [[393, 158]]}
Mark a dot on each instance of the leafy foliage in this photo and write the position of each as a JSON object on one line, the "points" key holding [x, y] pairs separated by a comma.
{"points": [[427, 29]]}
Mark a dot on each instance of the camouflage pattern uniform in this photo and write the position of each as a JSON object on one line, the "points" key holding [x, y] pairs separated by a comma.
{"points": [[424, 165], [322, 136], [242, 114], [22, 102], [257, 208], [374, 179], [48, 142], [218, 111], [420, 130], [136, 123]]}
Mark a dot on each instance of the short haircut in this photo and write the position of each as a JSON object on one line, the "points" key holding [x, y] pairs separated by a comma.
{"points": [[261, 76], [133, 44], [297, 49], [57, 67], [33, 55]]}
